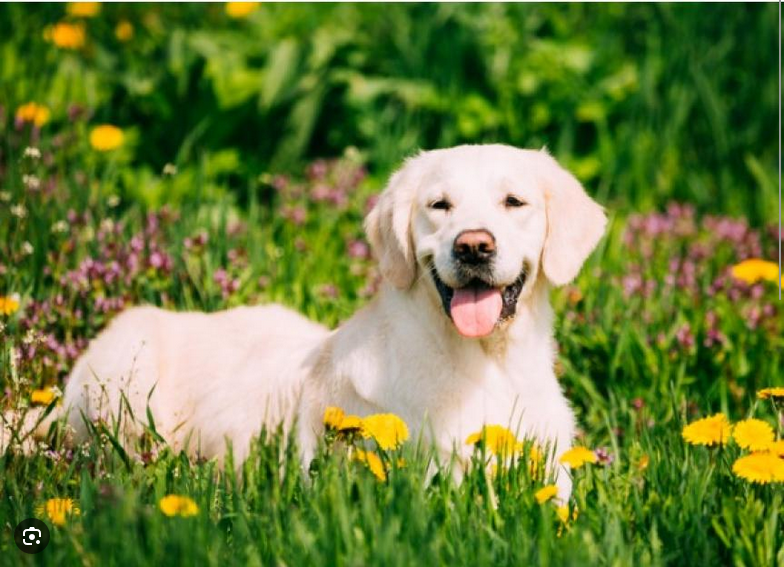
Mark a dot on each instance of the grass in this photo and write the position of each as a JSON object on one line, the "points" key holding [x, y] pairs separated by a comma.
{"points": [[655, 333]]}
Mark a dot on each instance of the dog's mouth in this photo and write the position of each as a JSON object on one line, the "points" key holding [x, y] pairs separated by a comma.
{"points": [[477, 307]]}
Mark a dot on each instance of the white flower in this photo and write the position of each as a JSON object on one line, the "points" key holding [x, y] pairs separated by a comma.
{"points": [[170, 169], [27, 248], [19, 211], [30, 337], [32, 153], [60, 226], [113, 201], [31, 182]]}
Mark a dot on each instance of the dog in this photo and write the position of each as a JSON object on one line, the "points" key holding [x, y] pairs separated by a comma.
{"points": [[469, 241]]}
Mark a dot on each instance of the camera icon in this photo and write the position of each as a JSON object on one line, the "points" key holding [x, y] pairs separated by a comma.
{"points": [[31, 536]]}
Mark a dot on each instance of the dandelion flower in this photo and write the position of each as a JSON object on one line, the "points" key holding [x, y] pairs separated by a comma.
{"points": [[9, 305], [753, 270], [350, 423], [535, 455], [58, 510], [544, 494], [387, 429], [333, 417], [34, 113], [83, 9], [577, 457], [240, 9], [753, 434], [563, 513], [373, 462], [106, 137], [643, 463], [44, 397], [708, 431], [498, 440], [776, 448], [766, 393], [760, 467], [176, 505], [124, 31], [65, 35]]}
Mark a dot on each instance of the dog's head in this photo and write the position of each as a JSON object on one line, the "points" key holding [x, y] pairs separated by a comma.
{"points": [[480, 223]]}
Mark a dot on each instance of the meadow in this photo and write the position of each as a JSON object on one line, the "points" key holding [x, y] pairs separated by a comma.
{"points": [[208, 156]]}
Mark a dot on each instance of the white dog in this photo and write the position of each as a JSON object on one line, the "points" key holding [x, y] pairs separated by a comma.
{"points": [[469, 241]]}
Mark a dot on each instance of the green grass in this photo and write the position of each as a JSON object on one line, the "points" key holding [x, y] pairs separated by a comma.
{"points": [[653, 334]]}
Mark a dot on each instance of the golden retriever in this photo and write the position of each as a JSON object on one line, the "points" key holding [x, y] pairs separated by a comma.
{"points": [[469, 241]]}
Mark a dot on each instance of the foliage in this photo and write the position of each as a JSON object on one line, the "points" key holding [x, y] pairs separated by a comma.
{"points": [[644, 102]]}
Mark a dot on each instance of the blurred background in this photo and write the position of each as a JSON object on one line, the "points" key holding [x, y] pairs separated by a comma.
{"points": [[646, 103]]}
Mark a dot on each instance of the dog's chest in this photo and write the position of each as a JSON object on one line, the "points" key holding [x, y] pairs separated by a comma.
{"points": [[486, 397]]}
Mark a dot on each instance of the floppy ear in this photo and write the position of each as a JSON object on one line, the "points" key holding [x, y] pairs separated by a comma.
{"points": [[575, 223], [388, 228]]}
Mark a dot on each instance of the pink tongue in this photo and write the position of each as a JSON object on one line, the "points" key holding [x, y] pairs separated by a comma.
{"points": [[475, 311]]}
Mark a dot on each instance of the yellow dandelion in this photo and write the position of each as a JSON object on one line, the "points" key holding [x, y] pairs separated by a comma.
{"points": [[44, 397], [333, 417], [535, 458], [124, 31], [497, 439], [106, 137], [177, 505], [544, 494], [83, 9], [65, 35], [9, 305], [776, 448], [708, 431], [643, 463], [753, 270], [241, 9], [577, 457], [386, 429], [563, 513], [373, 462], [753, 434], [767, 393], [350, 423], [760, 467], [58, 510], [34, 113], [535, 455]]}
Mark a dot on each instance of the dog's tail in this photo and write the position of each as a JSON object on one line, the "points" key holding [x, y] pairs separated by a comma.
{"points": [[20, 430]]}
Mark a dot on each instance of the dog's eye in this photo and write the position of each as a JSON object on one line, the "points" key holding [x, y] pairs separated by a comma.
{"points": [[441, 205], [513, 202]]}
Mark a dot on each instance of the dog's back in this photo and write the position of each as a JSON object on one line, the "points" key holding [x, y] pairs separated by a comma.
{"points": [[205, 376]]}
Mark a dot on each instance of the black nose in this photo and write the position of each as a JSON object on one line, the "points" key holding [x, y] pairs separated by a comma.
{"points": [[474, 247]]}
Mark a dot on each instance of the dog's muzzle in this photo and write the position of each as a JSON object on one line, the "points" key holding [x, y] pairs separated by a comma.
{"points": [[477, 307]]}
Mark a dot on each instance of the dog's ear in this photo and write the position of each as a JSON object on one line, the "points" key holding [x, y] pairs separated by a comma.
{"points": [[575, 222], [388, 228]]}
